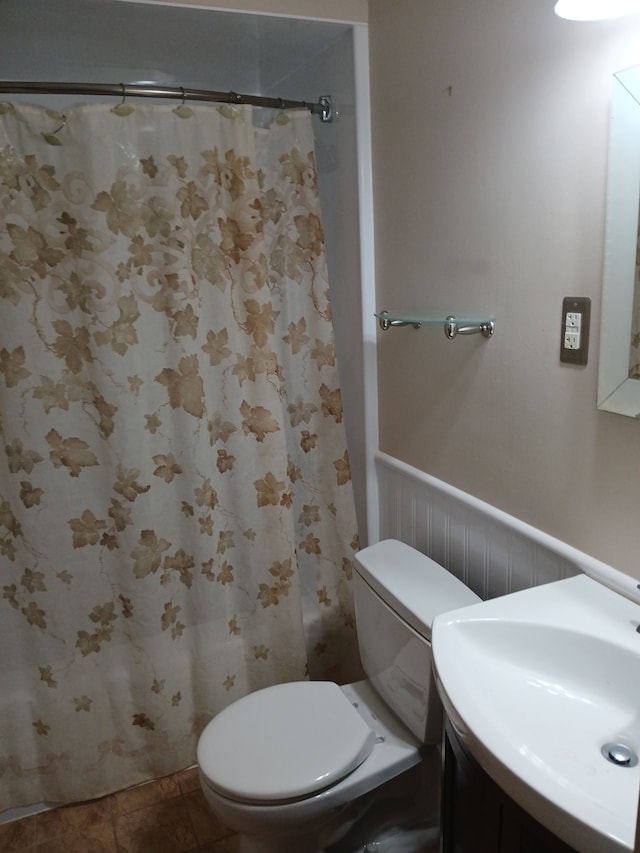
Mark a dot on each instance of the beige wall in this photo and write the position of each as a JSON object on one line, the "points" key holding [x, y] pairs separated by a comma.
{"points": [[490, 128], [333, 10]]}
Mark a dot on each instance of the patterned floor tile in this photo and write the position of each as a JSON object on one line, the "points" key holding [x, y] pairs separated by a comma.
{"points": [[18, 834], [205, 824], [168, 815], [99, 838], [188, 780], [164, 827], [66, 820], [145, 795]]}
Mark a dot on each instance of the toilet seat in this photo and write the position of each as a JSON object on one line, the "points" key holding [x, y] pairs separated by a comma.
{"points": [[283, 743]]}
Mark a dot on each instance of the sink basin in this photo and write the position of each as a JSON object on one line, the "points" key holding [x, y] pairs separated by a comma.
{"points": [[535, 684]]}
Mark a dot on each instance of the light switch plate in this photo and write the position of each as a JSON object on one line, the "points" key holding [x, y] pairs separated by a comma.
{"points": [[574, 334]]}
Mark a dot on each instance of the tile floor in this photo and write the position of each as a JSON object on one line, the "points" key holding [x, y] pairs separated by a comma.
{"points": [[168, 815]]}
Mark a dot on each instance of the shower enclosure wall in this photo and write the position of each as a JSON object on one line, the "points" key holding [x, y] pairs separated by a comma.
{"points": [[298, 58]]}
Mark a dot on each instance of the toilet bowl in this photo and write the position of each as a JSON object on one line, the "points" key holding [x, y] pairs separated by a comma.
{"points": [[292, 767], [326, 810]]}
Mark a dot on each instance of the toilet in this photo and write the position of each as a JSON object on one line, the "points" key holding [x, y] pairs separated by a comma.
{"points": [[292, 767]]}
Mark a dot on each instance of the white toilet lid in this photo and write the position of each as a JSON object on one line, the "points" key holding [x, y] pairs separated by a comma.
{"points": [[284, 742]]}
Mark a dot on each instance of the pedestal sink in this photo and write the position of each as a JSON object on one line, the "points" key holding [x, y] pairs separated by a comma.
{"points": [[543, 689]]}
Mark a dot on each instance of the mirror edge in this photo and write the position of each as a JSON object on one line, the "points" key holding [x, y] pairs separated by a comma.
{"points": [[616, 391]]}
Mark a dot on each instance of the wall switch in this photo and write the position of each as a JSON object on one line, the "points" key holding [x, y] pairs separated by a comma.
{"points": [[574, 336]]}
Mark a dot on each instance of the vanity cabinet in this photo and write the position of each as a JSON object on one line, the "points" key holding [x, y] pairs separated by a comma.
{"points": [[479, 817]]}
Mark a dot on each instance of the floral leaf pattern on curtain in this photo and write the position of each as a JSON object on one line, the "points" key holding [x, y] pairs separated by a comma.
{"points": [[176, 514]]}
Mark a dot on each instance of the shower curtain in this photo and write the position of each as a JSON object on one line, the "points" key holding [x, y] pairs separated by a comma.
{"points": [[176, 514]]}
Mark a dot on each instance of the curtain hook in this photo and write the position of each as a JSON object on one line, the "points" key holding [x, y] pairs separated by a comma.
{"points": [[52, 137], [123, 109], [58, 129], [183, 111], [282, 117]]}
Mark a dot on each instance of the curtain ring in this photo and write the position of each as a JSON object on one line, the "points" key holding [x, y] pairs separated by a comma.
{"points": [[184, 97], [58, 129], [124, 94]]}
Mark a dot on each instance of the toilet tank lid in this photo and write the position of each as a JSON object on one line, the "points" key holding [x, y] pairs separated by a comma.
{"points": [[284, 742], [412, 584]]}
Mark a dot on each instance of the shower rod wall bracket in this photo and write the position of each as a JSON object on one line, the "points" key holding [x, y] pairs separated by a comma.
{"points": [[452, 326], [326, 108]]}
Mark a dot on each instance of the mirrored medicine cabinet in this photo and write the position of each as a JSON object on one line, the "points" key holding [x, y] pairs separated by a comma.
{"points": [[619, 367]]}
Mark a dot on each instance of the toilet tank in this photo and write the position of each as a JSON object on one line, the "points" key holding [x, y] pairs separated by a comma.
{"points": [[398, 593]]}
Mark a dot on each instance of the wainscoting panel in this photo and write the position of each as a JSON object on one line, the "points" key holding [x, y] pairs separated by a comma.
{"points": [[489, 550]]}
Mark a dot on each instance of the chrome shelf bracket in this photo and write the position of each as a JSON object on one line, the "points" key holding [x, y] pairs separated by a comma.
{"points": [[451, 328], [386, 323]]}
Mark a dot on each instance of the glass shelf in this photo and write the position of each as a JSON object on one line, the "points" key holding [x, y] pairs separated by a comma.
{"points": [[452, 324]]}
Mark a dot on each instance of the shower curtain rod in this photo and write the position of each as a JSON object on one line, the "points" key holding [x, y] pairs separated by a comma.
{"points": [[322, 107]]}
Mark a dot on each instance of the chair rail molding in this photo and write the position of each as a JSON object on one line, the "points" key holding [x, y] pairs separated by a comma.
{"points": [[492, 552]]}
